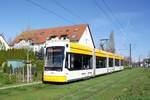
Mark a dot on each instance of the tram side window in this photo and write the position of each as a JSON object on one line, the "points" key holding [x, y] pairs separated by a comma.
{"points": [[117, 62], [87, 62], [122, 62], [100, 62], [75, 62], [110, 62], [66, 62], [78, 62]]}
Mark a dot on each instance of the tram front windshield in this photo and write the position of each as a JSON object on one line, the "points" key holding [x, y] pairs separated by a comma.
{"points": [[54, 58]]}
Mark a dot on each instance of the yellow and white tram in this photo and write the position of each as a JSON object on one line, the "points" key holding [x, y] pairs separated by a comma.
{"points": [[66, 61]]}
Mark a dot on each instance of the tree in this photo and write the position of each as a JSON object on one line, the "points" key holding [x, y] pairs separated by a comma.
{"points": [[111, 46], [6, 68], [11, 69]]}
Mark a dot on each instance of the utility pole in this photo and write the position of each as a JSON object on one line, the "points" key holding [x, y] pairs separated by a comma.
{"points": [[130, 59], [23, 75], [27, 66], [30, 73], [94, 62], [139, 61]]}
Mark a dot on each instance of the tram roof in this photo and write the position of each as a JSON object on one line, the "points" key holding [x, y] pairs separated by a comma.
{"points": [[97, 51]]}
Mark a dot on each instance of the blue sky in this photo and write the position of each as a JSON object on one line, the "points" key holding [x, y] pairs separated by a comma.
{"points": [[134, 15]]}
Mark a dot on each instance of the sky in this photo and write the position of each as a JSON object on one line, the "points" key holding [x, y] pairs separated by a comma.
{"points": [[128, 19]]}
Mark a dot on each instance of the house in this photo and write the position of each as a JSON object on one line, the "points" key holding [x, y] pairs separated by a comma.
{"points": [[37, 38], [3, 43], [146, 62]]}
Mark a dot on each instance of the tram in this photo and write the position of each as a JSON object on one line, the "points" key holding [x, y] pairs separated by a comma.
{"points": [[67, 61]]}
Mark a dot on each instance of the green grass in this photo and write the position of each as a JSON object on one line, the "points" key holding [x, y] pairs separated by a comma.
{"points": [[130, 84]]}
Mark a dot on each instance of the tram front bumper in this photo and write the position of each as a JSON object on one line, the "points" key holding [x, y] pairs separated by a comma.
{"points": [[55, 78]]}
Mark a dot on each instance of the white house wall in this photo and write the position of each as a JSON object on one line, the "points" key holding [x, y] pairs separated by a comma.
{"points": [[86, 38], [37, 47], [4, 42], [22, 44]]}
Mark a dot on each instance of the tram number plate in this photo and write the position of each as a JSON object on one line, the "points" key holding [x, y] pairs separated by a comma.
{"points": [[52, 72], [83, 73]]}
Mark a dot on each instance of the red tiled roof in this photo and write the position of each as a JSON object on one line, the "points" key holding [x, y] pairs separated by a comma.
{"points": [[39, 36]]}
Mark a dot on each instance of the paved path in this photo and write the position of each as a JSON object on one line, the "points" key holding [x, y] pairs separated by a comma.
{"points": [[14, 86]]}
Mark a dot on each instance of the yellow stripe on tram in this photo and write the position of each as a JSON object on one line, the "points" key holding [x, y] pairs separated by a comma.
{"points": [[55, 78], [80, 49]]}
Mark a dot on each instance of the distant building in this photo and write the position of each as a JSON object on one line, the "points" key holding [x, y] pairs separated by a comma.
{"points": [[146, 62], [3, 43], [36, 39]]}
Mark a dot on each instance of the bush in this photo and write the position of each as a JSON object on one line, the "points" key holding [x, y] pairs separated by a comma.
{"points": [[15, 54], [5, 79], [6, 68], [13, 78], [39, 69], [19, 54], [1, 62]]}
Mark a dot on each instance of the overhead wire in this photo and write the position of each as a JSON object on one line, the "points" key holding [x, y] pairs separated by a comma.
{"points": [[69, 11], [115, 18], [49, 11], [117, 21], [103, 11], [113, 15], [109, 17]]}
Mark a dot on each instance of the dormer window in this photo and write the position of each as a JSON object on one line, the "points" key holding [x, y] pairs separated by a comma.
{"points": [[64, 37], [42, 33], [20, 40], [53, 36], [74, 37], [60, 31], [76, 30], [67, 30]]}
